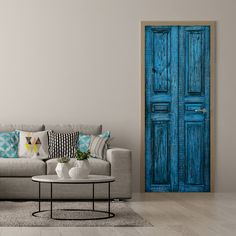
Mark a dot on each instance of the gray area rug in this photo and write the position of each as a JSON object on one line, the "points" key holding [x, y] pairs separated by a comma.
{"points": [[15, 214]]}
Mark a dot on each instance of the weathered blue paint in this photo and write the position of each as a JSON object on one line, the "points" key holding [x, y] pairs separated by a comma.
{"points": [[194, 94], [161, 69], [177, 85]]}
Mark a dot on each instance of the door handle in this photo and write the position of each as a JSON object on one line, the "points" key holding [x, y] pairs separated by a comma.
{"points": [[202, 110]]}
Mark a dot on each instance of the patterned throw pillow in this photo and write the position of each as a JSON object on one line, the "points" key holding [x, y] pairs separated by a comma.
{"points": [[9, 144], [62, 144], [33, 144], [97, 146], [84, 140]]}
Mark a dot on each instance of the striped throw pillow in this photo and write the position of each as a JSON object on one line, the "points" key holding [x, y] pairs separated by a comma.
{"points": [[62, 144], [85, 139], [97, 146]]}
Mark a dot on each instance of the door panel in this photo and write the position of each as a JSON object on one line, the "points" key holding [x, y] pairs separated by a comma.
{"points": [[194, 108], [161, 108], [194, 152], [161, 172], [194, 49], [177, 108], [161, 59]]}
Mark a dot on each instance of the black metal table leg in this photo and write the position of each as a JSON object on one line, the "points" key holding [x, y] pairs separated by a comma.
{"points": [[107, 214], [109, 199], [93, 196], [39, 197], [51, 201]]}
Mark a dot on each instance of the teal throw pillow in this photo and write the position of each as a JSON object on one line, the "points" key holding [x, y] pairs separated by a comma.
{"points": [[84, 140], [9, 144]]}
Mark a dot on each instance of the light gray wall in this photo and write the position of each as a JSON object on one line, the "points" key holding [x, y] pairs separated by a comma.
{"points": [[78, 61]]}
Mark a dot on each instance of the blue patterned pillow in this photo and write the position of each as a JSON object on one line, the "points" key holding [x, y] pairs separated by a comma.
{"points": [[84, 140], [9, 144]]}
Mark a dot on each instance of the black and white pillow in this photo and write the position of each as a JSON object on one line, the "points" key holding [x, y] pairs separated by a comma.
{"points": [[62, 144], [98, 146]]}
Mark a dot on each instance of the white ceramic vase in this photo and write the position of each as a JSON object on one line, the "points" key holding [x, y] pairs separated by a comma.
{"points": [[62, 170], [81, 171]]}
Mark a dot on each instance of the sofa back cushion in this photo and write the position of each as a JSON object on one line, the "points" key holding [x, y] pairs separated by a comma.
{"points": [[84, 129], [13, 127]]}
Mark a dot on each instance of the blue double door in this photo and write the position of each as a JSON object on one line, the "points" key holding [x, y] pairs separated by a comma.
{"points": [[177, 108]]}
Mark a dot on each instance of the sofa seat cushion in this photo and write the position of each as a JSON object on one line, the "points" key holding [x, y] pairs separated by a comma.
{"points": [[18, 167], [99, 167]]}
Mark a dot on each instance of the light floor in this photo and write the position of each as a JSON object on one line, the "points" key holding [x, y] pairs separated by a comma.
{"points": [[170, 213]]}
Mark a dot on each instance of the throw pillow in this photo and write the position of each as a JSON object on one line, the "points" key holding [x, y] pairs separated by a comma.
{"points": [[62, 144], [84, 140], [97, 146], [9, 144], [33, 144]]}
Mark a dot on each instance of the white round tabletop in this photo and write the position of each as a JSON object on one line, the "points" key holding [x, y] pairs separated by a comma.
{"points": [[90, 179]]}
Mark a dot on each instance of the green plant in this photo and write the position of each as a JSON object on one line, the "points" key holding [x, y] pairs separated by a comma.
{"points": [[63, 159], [82, 155]]}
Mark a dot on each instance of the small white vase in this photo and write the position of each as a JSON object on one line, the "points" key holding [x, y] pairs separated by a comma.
{"points": [[81, 171], [62, 170]]}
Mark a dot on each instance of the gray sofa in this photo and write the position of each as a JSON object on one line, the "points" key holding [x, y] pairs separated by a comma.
{"points": [[16, 173]]}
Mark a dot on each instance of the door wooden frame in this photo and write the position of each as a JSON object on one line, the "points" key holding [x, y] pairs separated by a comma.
{"points": [[212, 25]]}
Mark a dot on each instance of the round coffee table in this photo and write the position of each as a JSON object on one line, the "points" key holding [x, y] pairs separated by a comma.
{"points": [[92, 179]]}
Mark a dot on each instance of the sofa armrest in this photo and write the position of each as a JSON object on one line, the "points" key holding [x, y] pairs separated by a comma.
{"points": [[121, 169]]}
